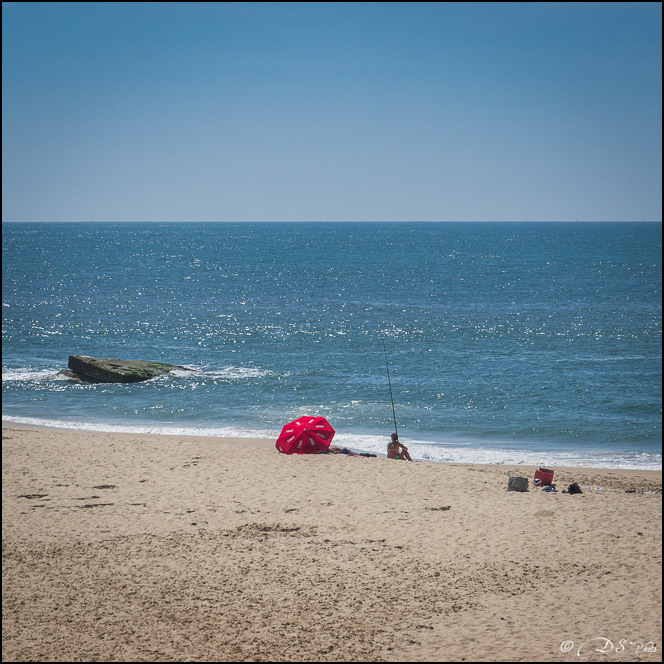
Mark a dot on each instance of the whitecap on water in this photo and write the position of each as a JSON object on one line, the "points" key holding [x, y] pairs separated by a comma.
{"points": [[24, 375], [223, 373]]}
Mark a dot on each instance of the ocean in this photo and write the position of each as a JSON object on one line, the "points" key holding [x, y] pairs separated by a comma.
{"points": [[513, 343]]}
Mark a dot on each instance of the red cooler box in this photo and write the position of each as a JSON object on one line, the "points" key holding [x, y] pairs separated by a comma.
{"points": [[544, 475]]}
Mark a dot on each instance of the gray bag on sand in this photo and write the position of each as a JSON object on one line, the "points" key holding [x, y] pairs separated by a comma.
{"points": [[517, 483]]}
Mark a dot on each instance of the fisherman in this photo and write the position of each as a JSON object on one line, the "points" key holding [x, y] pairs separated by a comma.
{"points": [[395, 450]]}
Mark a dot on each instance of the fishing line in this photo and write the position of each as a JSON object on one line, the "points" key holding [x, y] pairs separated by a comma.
{"points": [[389, 382]]}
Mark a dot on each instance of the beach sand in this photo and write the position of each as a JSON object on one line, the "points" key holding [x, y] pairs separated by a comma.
{"points": [[124, 547]]}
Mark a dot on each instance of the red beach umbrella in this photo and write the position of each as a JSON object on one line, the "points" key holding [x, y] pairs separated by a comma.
{"points": [[305, 435]]}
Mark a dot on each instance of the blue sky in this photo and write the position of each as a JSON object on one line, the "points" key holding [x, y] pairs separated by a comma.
{"points": [[331, 111]]}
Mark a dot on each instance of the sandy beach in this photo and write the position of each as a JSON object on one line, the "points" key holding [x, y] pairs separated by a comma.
{"points": [[124, 547]]}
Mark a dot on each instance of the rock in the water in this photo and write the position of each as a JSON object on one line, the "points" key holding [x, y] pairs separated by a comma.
{"points": [[97, 370]]}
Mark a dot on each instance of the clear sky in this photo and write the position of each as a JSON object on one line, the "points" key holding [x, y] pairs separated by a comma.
{"points": [[331, 111]]}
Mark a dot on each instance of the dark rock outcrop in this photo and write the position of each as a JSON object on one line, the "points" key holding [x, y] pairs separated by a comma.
{"points": [[97, 370]]}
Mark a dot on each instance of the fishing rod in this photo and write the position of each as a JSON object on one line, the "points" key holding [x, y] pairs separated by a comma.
{"points": [[390, 384]]}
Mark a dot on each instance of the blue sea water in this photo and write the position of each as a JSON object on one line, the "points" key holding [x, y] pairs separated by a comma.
{"points": [[519, 343]]}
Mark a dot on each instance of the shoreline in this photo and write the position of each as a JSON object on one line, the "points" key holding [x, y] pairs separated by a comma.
{"points": [[642, 477], [154, 547], [355, 442]]}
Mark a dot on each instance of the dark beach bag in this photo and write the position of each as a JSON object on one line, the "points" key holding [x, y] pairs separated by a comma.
{"points": [[574, 488], [517, 483]]}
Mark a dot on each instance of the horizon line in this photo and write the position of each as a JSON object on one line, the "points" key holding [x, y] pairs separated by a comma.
{"points": [[332, 221]]}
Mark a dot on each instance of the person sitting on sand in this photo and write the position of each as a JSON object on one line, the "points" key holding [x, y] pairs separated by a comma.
{"points": [[395, 450]]}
